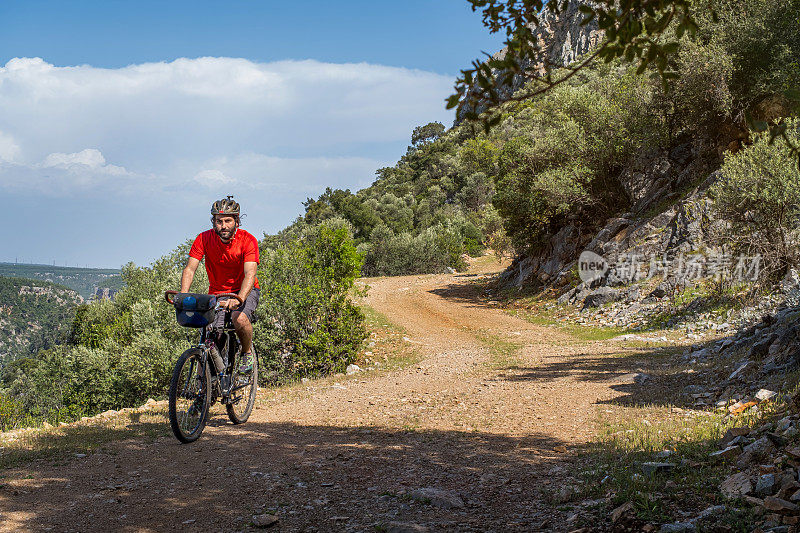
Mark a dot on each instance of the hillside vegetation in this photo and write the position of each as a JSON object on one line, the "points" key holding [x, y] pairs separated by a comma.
{"points": [[559, 158], [34, 315], [120, 352]]}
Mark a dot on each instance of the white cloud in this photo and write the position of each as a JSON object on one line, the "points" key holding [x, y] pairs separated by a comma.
{"points": [[89, 159], [212, 178], [208, 121], [175, 136], [9, 149]]}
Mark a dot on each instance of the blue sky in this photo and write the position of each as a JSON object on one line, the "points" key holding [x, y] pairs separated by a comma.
{"points": [[121, 121]]}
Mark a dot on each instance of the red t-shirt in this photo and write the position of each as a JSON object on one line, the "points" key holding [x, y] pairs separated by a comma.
{"points": [[225, 262]]}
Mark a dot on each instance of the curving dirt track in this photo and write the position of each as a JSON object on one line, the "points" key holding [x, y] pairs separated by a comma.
{"points": [[498, 435]]}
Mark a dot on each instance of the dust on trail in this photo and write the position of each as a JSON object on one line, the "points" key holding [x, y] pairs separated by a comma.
{"points": [[345, 455]]}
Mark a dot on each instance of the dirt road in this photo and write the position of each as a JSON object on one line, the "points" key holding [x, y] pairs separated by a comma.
{"points": [[478, 435]]}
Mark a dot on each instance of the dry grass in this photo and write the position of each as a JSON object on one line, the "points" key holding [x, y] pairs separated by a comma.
{"points": [[24, 445], [503, 353]]}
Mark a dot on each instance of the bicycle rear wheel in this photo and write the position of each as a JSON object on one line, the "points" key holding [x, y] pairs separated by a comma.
{"points": [[189, 396], [243, 393]]}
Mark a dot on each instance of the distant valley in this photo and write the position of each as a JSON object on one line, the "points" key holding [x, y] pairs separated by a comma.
{"points": [[84, 281]]}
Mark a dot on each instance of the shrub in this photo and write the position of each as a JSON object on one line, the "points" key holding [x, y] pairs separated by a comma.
{"points": [[701, 95], [434, 250], [310, 325], [762, 39], [562, 153], [758, 194]]}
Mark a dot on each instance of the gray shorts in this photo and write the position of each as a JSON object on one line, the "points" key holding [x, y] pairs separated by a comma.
{"points": [[249, 307]]}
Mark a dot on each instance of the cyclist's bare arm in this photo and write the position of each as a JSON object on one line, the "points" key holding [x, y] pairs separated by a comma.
{"points": [[248, 281], [188, 274], [247, 285]]}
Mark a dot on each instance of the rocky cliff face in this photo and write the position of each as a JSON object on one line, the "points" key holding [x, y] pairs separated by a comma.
{"points": [[562, 40]]}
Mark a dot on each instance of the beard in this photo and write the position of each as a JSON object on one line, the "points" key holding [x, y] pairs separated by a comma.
{"points": [[224, 234]]}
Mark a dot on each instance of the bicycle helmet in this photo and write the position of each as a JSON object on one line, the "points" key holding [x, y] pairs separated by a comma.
{"points": [[226, 206]]}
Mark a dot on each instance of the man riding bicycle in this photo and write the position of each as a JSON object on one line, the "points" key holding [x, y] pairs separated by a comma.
{"points": [[231, 257]]}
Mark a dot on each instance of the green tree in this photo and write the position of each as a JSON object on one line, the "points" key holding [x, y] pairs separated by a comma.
{"points": [[648, 35], [426, 134]]}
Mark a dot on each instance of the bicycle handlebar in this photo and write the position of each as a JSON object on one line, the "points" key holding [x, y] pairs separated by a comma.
{"points": [[231, 295], [167, 294]]}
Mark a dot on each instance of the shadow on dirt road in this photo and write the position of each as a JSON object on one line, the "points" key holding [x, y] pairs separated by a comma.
{"points": [[315, 478]]}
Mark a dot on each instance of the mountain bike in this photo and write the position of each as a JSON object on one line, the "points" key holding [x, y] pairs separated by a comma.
{"points": [[208, 371]]}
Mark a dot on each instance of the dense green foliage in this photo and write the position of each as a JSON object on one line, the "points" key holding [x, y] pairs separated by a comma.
{"points": [[556, 158], [34, 315], [84, 281], [564, 151], [311, 326], [759, 197], [120, 352], [760, 34], [634, 30], [423, 214]]}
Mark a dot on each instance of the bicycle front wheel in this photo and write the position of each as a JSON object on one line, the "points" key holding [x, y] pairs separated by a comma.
{"points": [[243, 393], [189, 396]]}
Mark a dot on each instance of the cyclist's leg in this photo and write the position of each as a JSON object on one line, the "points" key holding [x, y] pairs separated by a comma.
{"points": [[243, 320], [243, 323]]}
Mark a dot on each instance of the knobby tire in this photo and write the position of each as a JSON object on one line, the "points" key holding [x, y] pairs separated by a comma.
{"points": [[189, 396], [243, 400]]}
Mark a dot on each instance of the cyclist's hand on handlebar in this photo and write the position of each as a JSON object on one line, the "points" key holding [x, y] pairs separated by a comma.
{"points": [[230, 303]]}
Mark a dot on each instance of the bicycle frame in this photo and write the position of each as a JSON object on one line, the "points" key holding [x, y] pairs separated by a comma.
{"points": [[226, 341]]}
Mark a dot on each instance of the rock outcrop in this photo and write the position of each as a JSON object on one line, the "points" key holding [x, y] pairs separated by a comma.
{"points": [[562, 40], [669, 214]]}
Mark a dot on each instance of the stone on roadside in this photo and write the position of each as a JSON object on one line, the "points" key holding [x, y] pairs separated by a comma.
{"points": [[621, 511], [731, 452], [752, 500], [602, 295], [765, 394], [263, 521], [736, 485], [651, 468], [735, 374], [765, 485], [352, 369], [733, 433], [438, 497], [776, 505], [754, 451]]}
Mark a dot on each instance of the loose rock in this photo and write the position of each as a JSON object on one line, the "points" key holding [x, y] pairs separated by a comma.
{"points": [[263, 521], [736, 485], [438, 497], [727, 454], [652, 468], [777, 505]]}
